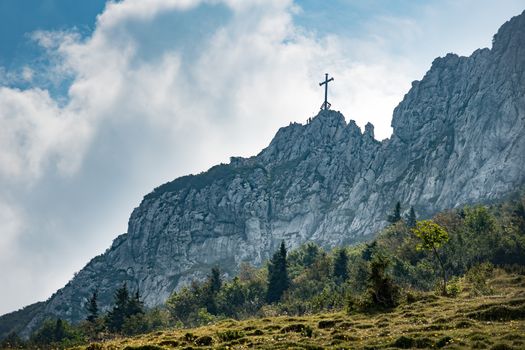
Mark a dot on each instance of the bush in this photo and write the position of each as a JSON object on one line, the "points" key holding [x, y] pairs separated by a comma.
{"points": [[443, 341], [501, 346], [499, 313], [478, 276], [403, 342], [230, 335], [307, 331], [454, 287], [143, 347], [327, 324], [298, 328], [381, 292], [205, 340]]}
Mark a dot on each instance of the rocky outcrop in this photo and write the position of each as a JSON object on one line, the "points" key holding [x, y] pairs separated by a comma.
{"points": [[459, 137]]}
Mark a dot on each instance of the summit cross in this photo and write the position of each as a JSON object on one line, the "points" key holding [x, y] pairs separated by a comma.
{"points": [[326, 105]]}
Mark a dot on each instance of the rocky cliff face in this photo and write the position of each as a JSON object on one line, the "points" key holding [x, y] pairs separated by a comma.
{"points": [[459, 137]]}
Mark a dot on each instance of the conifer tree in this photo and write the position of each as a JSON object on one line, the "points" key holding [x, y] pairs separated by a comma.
{"points": [[215, 280], [368, 252], [396, 214], [411, 218], [278, 281], [59, 332], [92, 307], [341, 265], [210, 289], [135, 305], [311, 253], [120, 310]]}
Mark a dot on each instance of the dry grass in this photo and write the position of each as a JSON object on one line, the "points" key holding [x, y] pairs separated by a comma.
{"points": [[486, 322]]}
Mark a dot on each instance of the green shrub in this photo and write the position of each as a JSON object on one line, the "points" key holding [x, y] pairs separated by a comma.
{"points": [[501, 347], [230, 335], [403, 342], [443, 341], [327, 324], [189, 336], [478, 276], [499, 313], [307, 332], [144, 347], [298, 328], [205, 340], [169, 342], [454, 287], [257, 332]]}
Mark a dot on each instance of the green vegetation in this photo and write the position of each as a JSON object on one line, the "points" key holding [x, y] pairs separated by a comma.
{"points": [[92, 308], [395, 216], [428, 320], [278, 281], [456, 281], [126, 312], [432, 237], [341, 265]]}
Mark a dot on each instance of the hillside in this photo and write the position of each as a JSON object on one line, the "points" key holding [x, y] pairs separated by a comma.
{"points": [[384, 293], [429, 321], [458, 138]]}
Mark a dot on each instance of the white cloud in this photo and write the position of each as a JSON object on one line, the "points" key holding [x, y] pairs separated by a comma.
{"points": [[12, 223], [34, 131]]}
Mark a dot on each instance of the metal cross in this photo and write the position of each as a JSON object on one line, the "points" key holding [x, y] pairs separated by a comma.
{"points": [[326, 105]]}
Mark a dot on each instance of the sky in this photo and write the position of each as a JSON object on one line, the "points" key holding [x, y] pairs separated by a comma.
{"points": [[102, 102]]}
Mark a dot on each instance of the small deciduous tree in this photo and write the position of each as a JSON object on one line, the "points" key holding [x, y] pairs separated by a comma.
{"points": [[432, 236]]}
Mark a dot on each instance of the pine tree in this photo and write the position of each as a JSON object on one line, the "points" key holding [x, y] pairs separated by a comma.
{"points": [[212, 287], [278, 281], [59, 332], [411, 218], [135, 305], [120, 310], [341, 265], [369, 251], [215, 280], [396, 214], [92, 307], [311, 252], [12, 341]]}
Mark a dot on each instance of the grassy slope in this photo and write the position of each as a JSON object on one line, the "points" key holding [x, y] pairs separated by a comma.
{"points": [[496, 321]]}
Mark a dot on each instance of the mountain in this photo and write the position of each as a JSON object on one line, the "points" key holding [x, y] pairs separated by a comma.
{"points": [[458, 137]]}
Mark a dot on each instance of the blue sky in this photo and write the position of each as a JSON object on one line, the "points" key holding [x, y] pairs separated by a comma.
{"points": [[20, 17], [100, 103]]}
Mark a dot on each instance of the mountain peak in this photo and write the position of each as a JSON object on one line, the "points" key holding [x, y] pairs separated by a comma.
{"points": [[511, 35]]}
